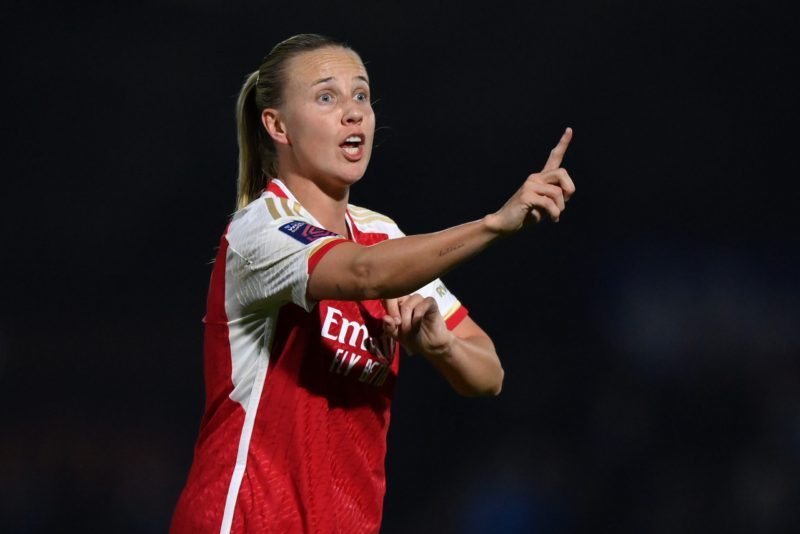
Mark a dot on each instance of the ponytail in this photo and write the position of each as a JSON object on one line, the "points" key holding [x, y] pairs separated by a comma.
{"points": [[252, 179]]}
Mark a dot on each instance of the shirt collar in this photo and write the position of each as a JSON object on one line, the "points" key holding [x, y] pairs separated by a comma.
{"points": [[278, 188]]}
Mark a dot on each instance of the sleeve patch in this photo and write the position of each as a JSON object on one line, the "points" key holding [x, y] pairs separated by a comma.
{"points": [[304, 232]]}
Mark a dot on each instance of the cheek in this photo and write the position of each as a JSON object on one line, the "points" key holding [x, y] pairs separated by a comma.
{"points": [[369, 124], [310, 139], [307, 127]]}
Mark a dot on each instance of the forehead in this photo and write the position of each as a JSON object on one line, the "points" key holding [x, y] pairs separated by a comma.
{"points": [[307, 68]]}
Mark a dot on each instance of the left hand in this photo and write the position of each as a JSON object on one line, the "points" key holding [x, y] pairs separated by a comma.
{"points": [[415, 321]]}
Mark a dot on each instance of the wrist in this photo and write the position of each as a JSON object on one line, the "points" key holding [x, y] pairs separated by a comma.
{"points": [[444, 349], [491, 223]]}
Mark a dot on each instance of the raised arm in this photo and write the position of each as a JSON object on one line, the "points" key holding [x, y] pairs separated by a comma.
{"points": [[397, 267]]}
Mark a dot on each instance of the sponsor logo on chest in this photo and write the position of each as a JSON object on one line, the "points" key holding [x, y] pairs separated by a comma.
{"points": [[358, 355]]}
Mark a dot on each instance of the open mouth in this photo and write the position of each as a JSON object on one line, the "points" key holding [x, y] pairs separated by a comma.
{"points": [[353, 147]]}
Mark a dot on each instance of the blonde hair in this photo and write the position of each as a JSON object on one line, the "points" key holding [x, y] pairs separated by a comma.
{"points": [[258, 159]]}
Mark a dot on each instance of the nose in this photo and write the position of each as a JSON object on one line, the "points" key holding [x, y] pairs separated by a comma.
{"points": [[352, 115]]}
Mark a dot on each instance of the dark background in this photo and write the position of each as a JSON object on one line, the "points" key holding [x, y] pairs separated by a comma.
{"points": [[650, 339]]}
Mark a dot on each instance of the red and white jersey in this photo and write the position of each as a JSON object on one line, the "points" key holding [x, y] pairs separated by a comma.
{"points": [[293, 438]]}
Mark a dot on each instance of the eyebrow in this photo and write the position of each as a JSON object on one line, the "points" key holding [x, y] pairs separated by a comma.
{"points": [[329, 78]]}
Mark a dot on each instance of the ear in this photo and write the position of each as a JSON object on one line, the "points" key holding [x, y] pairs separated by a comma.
{"points": [[272, 121]]}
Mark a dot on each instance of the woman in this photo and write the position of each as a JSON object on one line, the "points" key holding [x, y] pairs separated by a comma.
{"points": [[308, 297]]}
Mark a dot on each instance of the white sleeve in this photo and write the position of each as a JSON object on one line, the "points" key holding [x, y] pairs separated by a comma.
{"points": [[449, 306], [270, 260]]}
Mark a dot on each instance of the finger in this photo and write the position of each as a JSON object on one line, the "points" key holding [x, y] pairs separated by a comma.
{"points": [[547, 206], [535, 215], [559, 177], [539, 203], [390, 326], [557, 154], [392, 307], [407, 311], [554, 192], [424, 309]]}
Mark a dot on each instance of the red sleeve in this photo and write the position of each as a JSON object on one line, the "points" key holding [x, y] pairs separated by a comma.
{"points": [[458, 316], [318, 254]]}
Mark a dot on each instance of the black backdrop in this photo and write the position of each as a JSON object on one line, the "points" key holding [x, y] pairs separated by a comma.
{"points": [[650, 339]]}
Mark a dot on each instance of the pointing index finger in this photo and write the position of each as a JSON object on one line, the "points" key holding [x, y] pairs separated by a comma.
{"points": [[557, 154]]}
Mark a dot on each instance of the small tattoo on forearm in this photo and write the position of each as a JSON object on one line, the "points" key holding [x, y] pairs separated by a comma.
{"points": [[448, 250]]}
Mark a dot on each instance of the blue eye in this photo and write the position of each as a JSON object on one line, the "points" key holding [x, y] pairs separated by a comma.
{"points": [[325, 98], [362, 97]]}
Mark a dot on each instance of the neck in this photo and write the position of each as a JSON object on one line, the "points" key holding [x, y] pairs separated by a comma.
{"points": [[327, 205]]}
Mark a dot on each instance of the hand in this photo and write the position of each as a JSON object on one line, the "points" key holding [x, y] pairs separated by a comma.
{"points": [[416, 322], [544, 194]]}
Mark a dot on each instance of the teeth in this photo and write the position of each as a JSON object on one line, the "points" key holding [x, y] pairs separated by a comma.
{"points": [[352, 150], [353, 139]]}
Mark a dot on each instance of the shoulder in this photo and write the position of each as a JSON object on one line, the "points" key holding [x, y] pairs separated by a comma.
{"points": [[267, 211], [267, 217], [371, 221]]}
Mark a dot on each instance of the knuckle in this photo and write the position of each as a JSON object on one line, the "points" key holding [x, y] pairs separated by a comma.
{"points": [[534, 185]]}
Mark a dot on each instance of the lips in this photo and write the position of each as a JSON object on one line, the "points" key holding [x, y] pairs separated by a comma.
{"points": [[353, 147]]}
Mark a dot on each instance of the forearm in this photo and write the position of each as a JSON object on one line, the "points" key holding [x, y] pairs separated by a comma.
{"points": [[397, 267], [470, 365]]}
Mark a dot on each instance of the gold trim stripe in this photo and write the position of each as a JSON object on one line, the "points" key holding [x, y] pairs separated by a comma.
{"points": [[351, 207], [272, 209], [452, 310], [363, 212], [376, 217], [323, 241], [286, 207], [365, 215]]}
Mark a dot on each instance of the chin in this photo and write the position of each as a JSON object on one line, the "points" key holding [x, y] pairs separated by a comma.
{"points": [[353, 174], [337, 180], [352, 178]]}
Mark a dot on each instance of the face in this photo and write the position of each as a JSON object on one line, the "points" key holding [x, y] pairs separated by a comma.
{"points": [[326, 116]]}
